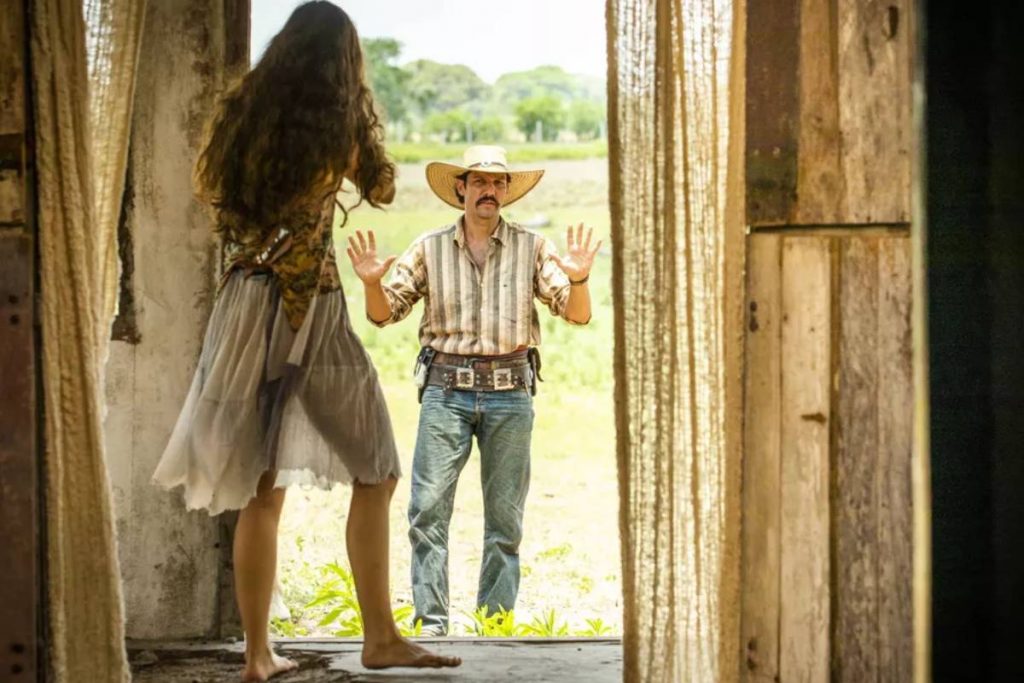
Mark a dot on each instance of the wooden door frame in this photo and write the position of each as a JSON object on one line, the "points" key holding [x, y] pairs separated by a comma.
{"points": [[22, 636]]}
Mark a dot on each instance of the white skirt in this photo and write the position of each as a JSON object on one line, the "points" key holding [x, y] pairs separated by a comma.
{"points": [[304, 403]]}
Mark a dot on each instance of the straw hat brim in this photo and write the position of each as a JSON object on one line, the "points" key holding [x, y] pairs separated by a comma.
{"points": [[441, 178]]}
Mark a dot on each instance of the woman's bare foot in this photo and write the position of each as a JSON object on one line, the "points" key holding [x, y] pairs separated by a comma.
{"points": [[262, 667], [402, 652]]}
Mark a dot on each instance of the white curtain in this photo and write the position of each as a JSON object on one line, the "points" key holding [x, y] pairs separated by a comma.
{"points": [[677, 285], [80, 144], [113, 40]]}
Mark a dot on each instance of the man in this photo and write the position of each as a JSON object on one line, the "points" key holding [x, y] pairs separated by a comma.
{"points": [[477, 371]]}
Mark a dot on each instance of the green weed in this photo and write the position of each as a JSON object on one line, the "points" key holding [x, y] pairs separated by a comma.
{"points": [[546, 626], [559, 552], [595, 628], [287, 628], [337, 593], [501, 624]]}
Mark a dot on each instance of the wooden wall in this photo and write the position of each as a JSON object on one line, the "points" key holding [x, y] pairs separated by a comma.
{"points": [[827, 499], [20, 564], [828, 112], [827, 528]]}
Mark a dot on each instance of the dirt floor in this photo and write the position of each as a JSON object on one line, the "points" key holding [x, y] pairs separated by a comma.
{"points": [[491, 660]]}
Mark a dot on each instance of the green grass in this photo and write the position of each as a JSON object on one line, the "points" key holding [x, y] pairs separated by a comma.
{"points": [[519, 152]]}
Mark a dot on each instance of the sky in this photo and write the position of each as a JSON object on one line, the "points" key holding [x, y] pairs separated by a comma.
{"points": [[491, 38]]}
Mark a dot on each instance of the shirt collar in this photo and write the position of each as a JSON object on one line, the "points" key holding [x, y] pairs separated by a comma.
{"points": [[501, 234]]}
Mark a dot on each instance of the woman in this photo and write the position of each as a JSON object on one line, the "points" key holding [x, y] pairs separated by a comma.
{"points": [[284, 391]]}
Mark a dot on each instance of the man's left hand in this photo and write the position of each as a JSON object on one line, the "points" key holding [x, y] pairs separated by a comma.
{"points": [[579, 259]]}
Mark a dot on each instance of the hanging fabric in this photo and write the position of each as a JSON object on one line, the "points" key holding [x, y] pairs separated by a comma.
{"points": [[79, 148], [676, 272]]}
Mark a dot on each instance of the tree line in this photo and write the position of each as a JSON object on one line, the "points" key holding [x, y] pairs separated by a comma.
{"points": [[451, 103]]}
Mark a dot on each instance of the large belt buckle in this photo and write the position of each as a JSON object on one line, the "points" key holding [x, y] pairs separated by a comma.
{"points": [[503, 379], [464, 378]]}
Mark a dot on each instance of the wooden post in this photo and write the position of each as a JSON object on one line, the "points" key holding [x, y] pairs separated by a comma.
{"points": [[20, 446]]}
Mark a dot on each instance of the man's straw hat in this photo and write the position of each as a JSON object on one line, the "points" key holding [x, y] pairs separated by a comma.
{"points": [[482, 159]]}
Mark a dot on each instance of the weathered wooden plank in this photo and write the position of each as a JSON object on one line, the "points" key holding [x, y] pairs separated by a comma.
{"points": [[855, 460], [835, 231], [893, 474], [773, 111], [874, 108], [20, 571], [12, 67], [820, 183], [20, 563], [762, 439], [12, 180], [806, 419], [828, 112], [12, 113]]}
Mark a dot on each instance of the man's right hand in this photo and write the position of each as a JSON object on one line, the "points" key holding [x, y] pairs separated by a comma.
{"points": [[362, 251]]}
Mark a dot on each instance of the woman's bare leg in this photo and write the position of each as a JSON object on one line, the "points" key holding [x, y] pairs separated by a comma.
{"points": [[367, 539], [255, 558]]}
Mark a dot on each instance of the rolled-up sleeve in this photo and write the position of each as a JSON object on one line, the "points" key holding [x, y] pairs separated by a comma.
{"points": [[550, 283], [406, 286]]}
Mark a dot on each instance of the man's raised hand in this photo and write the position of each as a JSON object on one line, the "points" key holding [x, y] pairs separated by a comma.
{"points": [[362, 251], [579, 258]]}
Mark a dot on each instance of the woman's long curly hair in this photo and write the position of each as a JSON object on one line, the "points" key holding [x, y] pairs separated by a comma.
{"points": [[290, 129]]}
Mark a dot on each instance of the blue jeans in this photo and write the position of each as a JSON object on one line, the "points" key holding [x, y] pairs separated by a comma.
{"points": [[502, 422]]}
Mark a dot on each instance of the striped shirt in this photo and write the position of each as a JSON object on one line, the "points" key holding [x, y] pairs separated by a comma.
{"points": [[473, 312]]}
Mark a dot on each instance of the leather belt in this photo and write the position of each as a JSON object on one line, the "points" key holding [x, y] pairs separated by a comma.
{"points": [[474, 378], [508, 360]]}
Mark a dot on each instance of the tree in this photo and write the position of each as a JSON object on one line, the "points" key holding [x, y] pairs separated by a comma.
{"points": [[586, 119], [545, 110], [515, 87], [451, 125], [387, 81], [461, 125], [489, 129], [438, 87]]}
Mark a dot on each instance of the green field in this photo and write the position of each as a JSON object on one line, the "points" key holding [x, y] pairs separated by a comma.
{"points": [[570, 553], [422, 152]]}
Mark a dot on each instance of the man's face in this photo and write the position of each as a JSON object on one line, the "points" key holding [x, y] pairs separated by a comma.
{"points": [[484, 192]]}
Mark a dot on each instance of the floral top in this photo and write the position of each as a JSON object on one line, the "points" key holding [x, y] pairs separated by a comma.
{"points": [[300, 256]]}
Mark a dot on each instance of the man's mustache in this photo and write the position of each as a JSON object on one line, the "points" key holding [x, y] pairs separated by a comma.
{"points": [[486, 199]]}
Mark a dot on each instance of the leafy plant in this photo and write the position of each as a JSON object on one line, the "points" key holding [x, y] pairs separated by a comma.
{"points": [[287, 628], [595, 628], [546, 626], [501, 624], [337, 592]]}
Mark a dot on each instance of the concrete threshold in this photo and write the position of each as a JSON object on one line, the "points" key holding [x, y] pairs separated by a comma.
{"points": [[490, 660]]}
